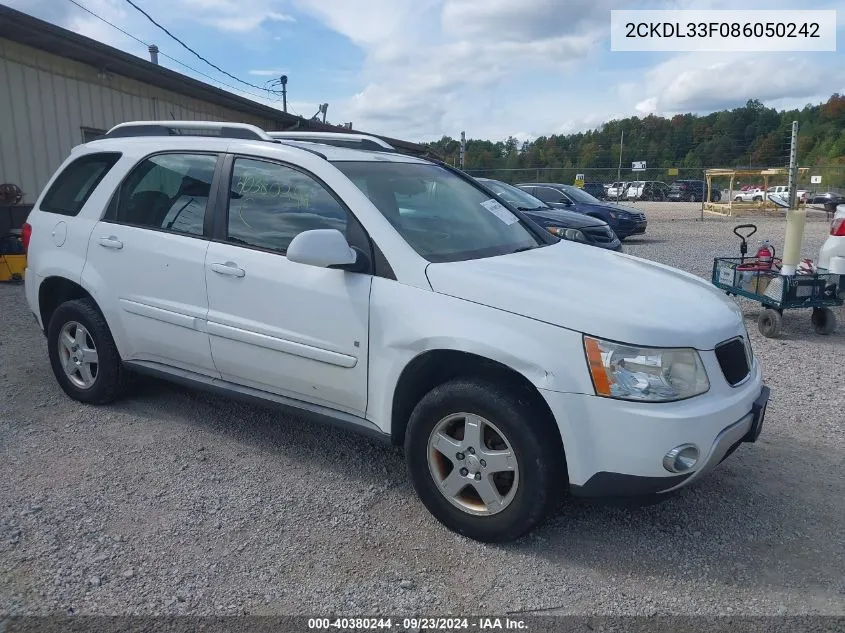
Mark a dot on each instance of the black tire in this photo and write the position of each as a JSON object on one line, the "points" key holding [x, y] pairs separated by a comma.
{"points": [[769, 322], [758, 199], [823, 320], [112, 378], [692, 197], [533, 438]]}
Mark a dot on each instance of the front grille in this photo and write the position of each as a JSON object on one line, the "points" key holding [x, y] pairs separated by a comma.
{"points": [[733, 360], [638, 217], [601, 234]]}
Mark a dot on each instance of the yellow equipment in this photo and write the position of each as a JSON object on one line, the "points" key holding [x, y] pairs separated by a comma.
{"points": [[12, 257]]}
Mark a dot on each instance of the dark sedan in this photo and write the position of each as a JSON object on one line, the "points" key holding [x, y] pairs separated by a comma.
{"points": [[595, 189], [565, 224], [828, 199], [625, 221]]}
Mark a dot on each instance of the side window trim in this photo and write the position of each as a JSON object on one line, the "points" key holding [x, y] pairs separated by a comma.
{"points": [[110, 215], [358, 237]]}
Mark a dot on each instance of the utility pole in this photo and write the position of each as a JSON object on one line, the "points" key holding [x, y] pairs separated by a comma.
{"points": [[463, 147], [793, 165], [795, 218], [284, 80], [324, 108], [619, 169]]}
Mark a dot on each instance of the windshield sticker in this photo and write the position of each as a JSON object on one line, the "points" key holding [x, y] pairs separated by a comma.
{"points": [[500, 212]]}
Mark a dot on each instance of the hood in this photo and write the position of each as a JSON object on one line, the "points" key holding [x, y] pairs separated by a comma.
{"points": [[595, 291], [566, 219], [586, 207]]}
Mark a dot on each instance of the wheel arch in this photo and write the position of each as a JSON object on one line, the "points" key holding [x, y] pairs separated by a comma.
{"points": [[55, 290], [437, 366]]}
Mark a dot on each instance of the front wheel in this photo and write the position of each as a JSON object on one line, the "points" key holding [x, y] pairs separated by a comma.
{"points": [[484, 464]]}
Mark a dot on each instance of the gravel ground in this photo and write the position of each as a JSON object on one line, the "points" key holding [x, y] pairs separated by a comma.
{"points": [[177, 502]]}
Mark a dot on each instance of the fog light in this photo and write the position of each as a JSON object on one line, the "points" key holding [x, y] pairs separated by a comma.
{"points": [[681, 458]]}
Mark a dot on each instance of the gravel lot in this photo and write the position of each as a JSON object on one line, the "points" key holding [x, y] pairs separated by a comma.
{"points": [[177, 502]]}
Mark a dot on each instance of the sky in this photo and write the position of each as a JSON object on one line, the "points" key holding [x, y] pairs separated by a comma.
{"points": [[421, 69]]}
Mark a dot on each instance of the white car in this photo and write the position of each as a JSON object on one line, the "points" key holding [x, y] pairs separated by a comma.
{"points": [[752, 195], [834, 245], [635, 190], [617, 190], [284, 273]]}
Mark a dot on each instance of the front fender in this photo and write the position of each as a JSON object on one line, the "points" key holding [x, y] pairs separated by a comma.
{"points": [[407, 321]]}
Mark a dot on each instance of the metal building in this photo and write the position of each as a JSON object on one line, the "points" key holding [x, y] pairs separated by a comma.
{"points": [[59, 89]]}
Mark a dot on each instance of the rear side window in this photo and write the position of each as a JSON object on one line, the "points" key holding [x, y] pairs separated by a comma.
{"points": [[77, 182], [167, 192]]}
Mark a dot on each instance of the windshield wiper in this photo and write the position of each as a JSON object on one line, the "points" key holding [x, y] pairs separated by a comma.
{"points": [[522, 249]]}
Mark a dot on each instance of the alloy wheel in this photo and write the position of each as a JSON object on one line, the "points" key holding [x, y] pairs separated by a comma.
{"points": [[78, 354], [473, 464]]}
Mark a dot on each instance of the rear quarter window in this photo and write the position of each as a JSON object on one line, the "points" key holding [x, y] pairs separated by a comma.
{"points": [[72, 188]]}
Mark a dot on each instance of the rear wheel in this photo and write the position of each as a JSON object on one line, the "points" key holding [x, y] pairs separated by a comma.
{"points": [[83, 355], [823, 320], [484, 464], [769, 322]]}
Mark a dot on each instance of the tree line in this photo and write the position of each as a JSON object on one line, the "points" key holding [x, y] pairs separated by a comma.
{"points": [[752, 136]]}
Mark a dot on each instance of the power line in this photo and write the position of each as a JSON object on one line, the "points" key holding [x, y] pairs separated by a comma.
{"points": [[163, 54], [188, 48]]}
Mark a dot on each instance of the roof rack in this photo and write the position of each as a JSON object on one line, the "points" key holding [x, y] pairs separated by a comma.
{"points": [[341, 139], [245, 131], [176, 128]]}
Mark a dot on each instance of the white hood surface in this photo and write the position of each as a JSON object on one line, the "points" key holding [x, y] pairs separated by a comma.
{"points": [[598, 292]]}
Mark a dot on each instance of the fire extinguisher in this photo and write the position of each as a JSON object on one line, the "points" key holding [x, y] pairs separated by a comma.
{"points": [[766, 254]]}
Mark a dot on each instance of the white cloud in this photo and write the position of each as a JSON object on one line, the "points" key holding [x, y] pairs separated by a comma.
{"points": [[433, 66], [699, 82], [273, 72], [245, 23]]}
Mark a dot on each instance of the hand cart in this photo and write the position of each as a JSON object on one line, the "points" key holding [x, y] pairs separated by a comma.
{"points": [[746, 277]]}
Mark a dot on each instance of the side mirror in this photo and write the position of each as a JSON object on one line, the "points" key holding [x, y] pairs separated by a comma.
{"points": [[324, 248], [566, 201]]}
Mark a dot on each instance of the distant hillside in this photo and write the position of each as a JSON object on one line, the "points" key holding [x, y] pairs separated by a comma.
{"points": [[753, 136]]}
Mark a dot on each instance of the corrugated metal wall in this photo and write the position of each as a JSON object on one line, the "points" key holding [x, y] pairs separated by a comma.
{"points": [[46, 100]]}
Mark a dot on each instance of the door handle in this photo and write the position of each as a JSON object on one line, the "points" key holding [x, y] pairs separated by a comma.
{"points": [[229, 268], [111, 242]]}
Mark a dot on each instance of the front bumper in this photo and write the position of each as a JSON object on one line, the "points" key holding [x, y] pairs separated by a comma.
{"points": [[616, 448], [608, 484], [626, 228]]}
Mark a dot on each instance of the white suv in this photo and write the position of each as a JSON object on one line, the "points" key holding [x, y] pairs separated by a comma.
{"points": [[394, 296]]}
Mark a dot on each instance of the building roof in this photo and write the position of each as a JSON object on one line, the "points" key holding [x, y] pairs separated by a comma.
{"points": [[24, 29]]}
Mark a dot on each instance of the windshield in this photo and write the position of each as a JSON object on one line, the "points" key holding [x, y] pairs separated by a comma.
{"points": [[579, 195], [514, 195], [439, 214]]}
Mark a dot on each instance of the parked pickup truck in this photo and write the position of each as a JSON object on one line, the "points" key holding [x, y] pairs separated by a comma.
{"points": [[783, 192]]}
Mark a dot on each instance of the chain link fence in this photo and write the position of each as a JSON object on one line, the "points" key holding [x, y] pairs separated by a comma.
{"points": [[832, 177]]}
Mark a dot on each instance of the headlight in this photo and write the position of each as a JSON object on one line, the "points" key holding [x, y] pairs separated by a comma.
{"points": [[612, 214], [644, 373], [574, 235]]}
